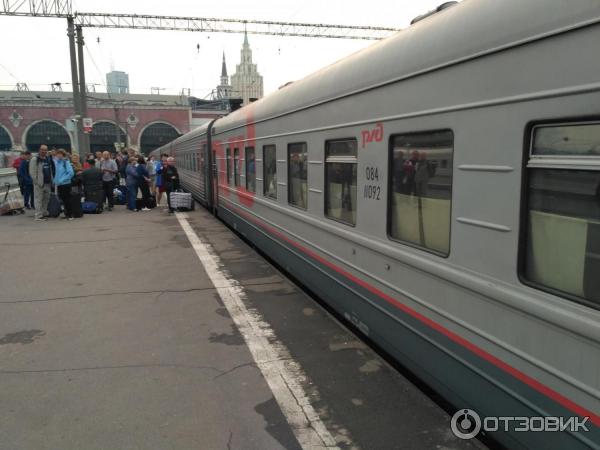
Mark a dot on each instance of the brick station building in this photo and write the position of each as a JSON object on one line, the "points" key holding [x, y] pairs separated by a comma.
{"points": [[143, 122]]}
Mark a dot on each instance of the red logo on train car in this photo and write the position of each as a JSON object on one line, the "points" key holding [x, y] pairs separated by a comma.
{"points": [[374, 135]]}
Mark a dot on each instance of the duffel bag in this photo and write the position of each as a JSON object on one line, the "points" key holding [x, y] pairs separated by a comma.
{"points": [[91, 208]]}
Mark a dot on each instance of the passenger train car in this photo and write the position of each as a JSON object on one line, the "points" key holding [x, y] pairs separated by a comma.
{"points": [[441, 190]]}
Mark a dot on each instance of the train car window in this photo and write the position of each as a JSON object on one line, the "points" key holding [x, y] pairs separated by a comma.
{"points": [[236, 167], [340, 180], [420, 190], [228, 165], [562, 233], [297, 171], [270, 171], [250, 170], [202, 161]]}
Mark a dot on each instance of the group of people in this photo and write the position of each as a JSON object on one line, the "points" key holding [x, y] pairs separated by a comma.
{"points": [[96, 179]]}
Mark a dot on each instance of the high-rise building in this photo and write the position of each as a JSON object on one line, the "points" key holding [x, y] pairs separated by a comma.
{"points": [[117, 82], [247, 83], [224, 89]]}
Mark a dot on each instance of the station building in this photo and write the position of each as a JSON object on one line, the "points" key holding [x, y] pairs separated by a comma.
{"points": [[140, 121]]}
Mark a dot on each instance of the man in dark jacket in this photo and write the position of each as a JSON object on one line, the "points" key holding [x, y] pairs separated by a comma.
{"points": [[26, 180], [92, 185], [170, 179]]}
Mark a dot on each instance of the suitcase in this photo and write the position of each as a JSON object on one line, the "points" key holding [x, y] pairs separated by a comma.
{"points": [[182, 201], [151, 202], [54, 207], [76, 209], [91, 208]]}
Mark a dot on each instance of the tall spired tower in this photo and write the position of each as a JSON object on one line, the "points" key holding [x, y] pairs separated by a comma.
{"points": [[247, 83], [224, 89]]}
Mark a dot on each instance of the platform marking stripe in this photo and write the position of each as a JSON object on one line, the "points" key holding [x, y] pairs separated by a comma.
{"points": [[283, 375]]}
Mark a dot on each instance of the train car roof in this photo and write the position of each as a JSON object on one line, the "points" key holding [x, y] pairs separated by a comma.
{"points": [[470, 29], [201, 130]]}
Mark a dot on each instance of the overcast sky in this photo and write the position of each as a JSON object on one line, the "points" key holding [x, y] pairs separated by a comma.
{"points": [[35, 50]]}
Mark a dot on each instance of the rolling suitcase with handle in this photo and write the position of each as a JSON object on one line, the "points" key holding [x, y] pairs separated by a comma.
{"points": [[76, 209], [54, 206]]}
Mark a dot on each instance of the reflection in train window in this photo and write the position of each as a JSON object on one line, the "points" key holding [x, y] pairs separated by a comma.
{"points": [[236, 167], [269, 171], [297, 187], [421, 189], [250, 169], [562, 250], [228, 165], [340, 180]]}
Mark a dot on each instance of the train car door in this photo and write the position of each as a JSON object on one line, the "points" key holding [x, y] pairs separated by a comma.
{"points": [[215, 182]]}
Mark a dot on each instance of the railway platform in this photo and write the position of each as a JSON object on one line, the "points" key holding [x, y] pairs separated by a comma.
{"points": [[154, 331]]}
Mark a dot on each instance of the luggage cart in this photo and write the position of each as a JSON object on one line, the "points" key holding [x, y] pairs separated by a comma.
{"points": [[11, 203]]}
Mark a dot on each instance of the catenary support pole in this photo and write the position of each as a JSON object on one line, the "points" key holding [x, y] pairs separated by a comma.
{"points": [[84, 145], [75, 83]]}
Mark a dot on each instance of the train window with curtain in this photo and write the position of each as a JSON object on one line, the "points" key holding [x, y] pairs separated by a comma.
{"points": [[228, 164], [562, 233], [250, 169], [236, 167], [340, 180], [270, 171], [420, 191], [297, 171]]}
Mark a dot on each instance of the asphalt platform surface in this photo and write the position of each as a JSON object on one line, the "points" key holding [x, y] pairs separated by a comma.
{"points": [[112, 336]]}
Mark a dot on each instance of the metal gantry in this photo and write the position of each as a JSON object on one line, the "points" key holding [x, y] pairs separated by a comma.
{"points": [[41, 8], [215, 25], [64, 9]]}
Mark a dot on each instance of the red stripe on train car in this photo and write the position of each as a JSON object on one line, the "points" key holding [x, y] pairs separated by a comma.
{"points": [[531, 382]]}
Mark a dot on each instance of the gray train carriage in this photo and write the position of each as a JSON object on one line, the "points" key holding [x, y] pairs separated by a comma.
{"points": [[192, 161], [441, 190]]}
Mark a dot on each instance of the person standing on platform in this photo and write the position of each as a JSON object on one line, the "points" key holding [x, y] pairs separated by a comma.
{"points": [[160, 167], [151, 167], [41, 170], [76, 163], [170, 180], [123, 168], [132, 184], [89, 161], [17, 165], [26, 180], [109, 173], [62, 180], [143, 182]]}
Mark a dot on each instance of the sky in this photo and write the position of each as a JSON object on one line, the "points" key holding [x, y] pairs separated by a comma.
{"points": [[35, 50]]}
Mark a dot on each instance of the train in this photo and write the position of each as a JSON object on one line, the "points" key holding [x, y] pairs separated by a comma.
{"points": [[440, 190]]}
